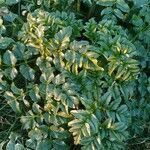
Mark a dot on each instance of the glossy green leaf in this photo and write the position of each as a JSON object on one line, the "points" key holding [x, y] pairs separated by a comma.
{"points": [[122, 5], [44, 145], [9, 58], [140, 3], [10, 145], [5, 42], [11, 2], [118, 13], [105, 2], [16, 90], [62, 38], [34, 93], [19, 147], [28, 122], [12, 101], [27, 72], [137, 20], [11, 73], [10, 17]]}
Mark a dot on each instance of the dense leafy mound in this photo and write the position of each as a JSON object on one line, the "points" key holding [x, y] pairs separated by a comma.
{"points": [[75, 81]]}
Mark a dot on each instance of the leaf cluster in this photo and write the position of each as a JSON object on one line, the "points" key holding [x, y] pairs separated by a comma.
{"points": [[75, 81]]}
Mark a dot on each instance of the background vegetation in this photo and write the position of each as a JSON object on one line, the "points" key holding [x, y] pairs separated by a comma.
{"points": [[74, 74]]}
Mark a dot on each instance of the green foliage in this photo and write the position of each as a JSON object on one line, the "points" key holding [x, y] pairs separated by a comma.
{"points": [[75, 81]]}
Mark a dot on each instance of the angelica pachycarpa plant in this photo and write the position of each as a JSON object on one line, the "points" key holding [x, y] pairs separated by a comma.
{"points": [[73, 79]]}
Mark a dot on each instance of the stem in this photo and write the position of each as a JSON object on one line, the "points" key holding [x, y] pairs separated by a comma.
{"points": [[10, 129], [3, 107], [19, 8], [78, 5], [91, 11], [142, 30]]}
